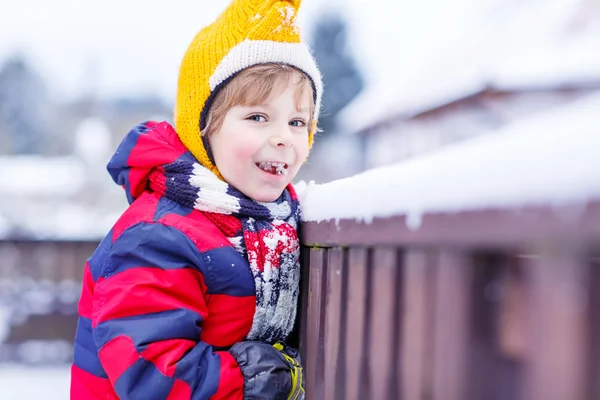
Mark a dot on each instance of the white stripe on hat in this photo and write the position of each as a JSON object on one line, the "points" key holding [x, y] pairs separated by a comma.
{"points": [[253, 52]]}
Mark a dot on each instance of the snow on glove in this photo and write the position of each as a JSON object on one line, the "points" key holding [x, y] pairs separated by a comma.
{"points": [[267, 371]]}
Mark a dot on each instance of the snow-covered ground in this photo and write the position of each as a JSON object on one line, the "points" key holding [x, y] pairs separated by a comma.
{"points": [[18, 382]]}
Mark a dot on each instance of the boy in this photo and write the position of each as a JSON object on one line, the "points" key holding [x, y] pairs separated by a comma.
{"points": [[192, 292]]}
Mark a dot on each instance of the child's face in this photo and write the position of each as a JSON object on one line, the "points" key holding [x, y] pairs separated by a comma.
{"points": [[259, 149]]}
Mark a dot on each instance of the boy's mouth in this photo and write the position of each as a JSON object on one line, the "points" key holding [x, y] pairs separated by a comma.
{"points": [[275, 168]]}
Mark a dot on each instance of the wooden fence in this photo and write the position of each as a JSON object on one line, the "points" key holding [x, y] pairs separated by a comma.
{"points": [[40, 283], [482, 305]]}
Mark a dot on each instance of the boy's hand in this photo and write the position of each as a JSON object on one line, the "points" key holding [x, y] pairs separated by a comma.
{"points": [[270, 371], [296, 370]]}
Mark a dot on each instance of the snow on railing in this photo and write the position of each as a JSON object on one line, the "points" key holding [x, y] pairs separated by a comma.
{"points": [[550, 159]]}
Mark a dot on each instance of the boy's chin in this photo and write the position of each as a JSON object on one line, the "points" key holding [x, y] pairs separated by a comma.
{"points": [[264, 192], [266, 197], [263, 195]]}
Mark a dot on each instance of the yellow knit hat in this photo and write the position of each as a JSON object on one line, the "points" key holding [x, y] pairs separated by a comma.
{"points": [[247, 33]]}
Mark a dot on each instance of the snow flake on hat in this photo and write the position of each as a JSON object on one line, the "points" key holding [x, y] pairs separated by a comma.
{"points": [[288, 15]]}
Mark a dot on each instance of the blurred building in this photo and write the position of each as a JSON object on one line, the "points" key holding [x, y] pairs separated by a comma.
{"points": [[535, 58]]}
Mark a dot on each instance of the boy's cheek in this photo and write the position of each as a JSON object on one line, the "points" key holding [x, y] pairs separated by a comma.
{"points": [[244, 150], [302, 151], [241, 156]]}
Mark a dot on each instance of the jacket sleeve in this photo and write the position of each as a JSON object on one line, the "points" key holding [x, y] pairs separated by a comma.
{"points": [[147, 318]]}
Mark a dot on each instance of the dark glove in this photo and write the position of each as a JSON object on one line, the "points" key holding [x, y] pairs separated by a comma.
{"points": [[270, 371], [296, 370]]}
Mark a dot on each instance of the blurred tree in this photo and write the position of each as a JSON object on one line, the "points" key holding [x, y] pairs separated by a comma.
{"points": [[342, 79], [23, 105]]}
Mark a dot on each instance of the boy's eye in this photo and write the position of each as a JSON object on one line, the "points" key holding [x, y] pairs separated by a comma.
{"points": [[297, 123], [257, 118]]}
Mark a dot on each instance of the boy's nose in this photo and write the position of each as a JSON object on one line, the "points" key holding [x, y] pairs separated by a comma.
{"points": [[283, 138]]}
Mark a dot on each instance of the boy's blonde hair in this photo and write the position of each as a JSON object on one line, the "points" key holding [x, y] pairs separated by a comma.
{"points": [[254, 86]]}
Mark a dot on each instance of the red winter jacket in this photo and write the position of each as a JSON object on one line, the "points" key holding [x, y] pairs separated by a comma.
{"points": [[163, 292]]}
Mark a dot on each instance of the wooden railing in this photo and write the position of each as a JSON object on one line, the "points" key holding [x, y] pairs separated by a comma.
{"points": [[474, 305], [475, 275], [495, 305]]}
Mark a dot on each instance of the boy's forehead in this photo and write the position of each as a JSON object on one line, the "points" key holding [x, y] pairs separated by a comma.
{"points": [[302, 92], [274, 102]]}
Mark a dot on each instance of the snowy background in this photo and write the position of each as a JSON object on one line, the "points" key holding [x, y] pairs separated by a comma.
{"points": [[500, 98], [18, 382]]}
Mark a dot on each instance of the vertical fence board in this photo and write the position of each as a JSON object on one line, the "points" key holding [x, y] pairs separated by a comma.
{"points": [[333, 311], [496, 336], [69, 261], [383, 313], [459, 316], [594, 327], [314, 345], [513, 313], [556, 367], [9, 260], [357, 293], [83, 252], [416, 328], [304, 294], [452, 325], [340, 378]]}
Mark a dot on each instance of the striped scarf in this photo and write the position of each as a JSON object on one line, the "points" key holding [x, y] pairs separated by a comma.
{"points": [[264, 233]]}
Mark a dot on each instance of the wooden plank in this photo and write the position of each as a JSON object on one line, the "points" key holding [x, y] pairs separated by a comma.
{"points": [[495, 228], [68, 261], [558, 340], [594, 327], [83, 252], [340, 379], [416, 326], [333, 316], [383, 337], [47, 266], [495, 331], [315, 335], [357, 319], [26, 259], [303, 300], [513, 312], [9, 260], [452, 325]]}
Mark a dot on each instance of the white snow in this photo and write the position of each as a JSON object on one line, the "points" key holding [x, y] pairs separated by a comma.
{"points": [[544, 64], [4, 226], [38, 175], [44, 352], [545, 159], [93, 140], [526, 45], [288, 13], [18, 382], [77, 60], [57, 220]]}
